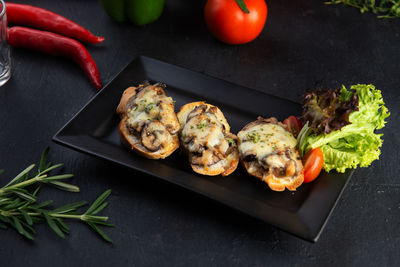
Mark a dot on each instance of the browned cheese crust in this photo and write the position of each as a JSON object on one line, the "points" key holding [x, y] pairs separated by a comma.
{"points": [[281, 167], [149, 125], [205, 137]]}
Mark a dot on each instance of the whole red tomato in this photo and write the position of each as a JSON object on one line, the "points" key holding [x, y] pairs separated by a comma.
{"points": [[230, 24]]}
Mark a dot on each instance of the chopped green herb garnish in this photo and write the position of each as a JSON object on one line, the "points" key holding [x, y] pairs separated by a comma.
{"points": [[149, 107], [253, 137], [202, 125], [230, 141]]}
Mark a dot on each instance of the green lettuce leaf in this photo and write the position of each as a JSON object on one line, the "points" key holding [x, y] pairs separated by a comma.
{"points": [[355, 144]]}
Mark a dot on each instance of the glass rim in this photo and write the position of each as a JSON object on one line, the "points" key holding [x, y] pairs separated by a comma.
{"points": [[3, 9]]}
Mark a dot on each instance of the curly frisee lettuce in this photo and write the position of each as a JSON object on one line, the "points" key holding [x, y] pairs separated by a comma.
{"points": [[342, 124]]}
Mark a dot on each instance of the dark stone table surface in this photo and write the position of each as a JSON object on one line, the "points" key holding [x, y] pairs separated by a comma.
{"points": [[305, 44]]}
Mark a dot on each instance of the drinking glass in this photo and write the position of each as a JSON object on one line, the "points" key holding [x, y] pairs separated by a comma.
{"points": [[5, 60]]}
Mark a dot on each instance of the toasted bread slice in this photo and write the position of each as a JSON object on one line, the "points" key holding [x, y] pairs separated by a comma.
{"points": [[149, 125], [268, 151], [205, 137]]}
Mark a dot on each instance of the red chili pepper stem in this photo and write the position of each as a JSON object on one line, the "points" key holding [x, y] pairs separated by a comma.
{"points": [[57, 45]]}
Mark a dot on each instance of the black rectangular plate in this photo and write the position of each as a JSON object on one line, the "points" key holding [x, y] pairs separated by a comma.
{"points": [[94, 131]]}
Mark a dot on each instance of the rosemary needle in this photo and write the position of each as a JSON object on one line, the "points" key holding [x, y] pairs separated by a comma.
{"points": [[20, 209]]}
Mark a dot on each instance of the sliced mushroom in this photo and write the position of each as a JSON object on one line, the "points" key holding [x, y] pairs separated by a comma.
{"points": [[196, 112], [249, 156], [274, 160], [187, 139], [280, 164], [130, 129], [218, 154], [255, 168], [154, 135], [212, 110], [207, 158], [135, 127], [195, 147]]}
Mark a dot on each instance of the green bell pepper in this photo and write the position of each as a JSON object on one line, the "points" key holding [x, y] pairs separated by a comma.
{"points": [[139, 12]]}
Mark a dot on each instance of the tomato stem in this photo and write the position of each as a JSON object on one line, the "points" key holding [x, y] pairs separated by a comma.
{"points": [[242, 6]]}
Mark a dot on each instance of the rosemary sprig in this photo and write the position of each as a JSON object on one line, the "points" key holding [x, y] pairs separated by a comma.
{"points": [[20, 209], [382, 8]]}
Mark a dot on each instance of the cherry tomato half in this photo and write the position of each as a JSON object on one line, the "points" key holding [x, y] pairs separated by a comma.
{"points": [[313, 162], [230, 24], [293, 124]]}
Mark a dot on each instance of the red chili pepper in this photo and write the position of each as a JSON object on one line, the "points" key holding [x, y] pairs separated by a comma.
{"points": [[57, 45], [44, 19]]}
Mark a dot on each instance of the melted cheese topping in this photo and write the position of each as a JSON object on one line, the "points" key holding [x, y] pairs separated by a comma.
{"points": [[206, 130], [146, 108], [263, 139]]}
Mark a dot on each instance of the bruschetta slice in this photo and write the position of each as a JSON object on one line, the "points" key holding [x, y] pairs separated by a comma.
{"points": [[149, 125], [268, 151], [205, 136]]}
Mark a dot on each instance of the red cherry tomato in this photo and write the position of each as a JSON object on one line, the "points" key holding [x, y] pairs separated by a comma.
{"points": [[312, 161], [230, 24], [293, 124]]}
